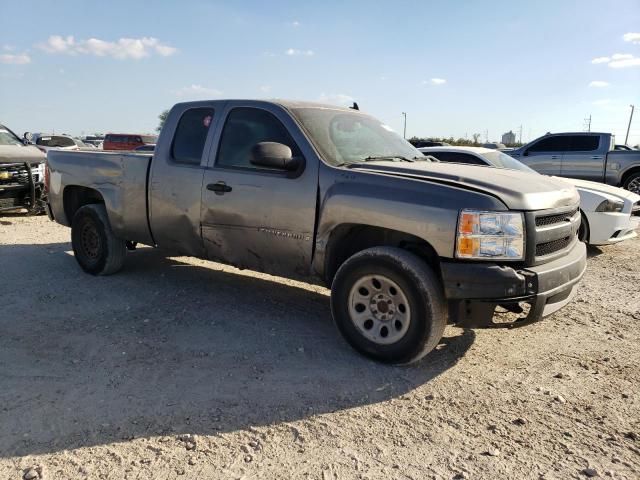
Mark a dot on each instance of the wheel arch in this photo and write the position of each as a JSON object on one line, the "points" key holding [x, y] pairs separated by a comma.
{"points": [[75, 197], [348, 239]]}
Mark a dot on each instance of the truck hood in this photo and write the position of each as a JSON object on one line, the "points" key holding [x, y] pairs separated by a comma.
{"points": [[517, 190], [20, 154], [602, 188]]}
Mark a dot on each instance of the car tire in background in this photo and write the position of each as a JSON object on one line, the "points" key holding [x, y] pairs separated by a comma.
{"points": [[389, 305], [633, 183], [96, 248]]}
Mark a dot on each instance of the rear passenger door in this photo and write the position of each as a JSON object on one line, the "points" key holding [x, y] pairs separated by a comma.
{"points": [[584, 158], [545, 155], [175, 182]]}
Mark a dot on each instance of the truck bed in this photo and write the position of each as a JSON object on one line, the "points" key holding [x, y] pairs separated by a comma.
{"points": [[121, 179]]}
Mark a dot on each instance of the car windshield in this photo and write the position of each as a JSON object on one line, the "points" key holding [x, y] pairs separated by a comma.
{"points": [[148, 138], [344, 138], [55, 141], [8, 138], [502, 160]]}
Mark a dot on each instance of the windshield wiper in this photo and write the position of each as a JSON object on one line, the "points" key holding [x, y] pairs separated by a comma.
{"points": [[390, 157]]}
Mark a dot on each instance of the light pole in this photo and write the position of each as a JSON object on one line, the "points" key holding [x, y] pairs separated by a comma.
{"points": [[404, 134], [629, 126]]}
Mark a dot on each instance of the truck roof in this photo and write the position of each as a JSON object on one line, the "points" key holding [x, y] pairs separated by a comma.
{"points": [[576, 133], [288, 104]]}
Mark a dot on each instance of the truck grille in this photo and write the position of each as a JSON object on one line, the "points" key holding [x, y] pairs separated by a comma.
{"points": [[547, 220], [553, 246], [14, 174], [555, 233]]}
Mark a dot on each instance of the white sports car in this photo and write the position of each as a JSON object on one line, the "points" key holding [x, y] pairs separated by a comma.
{"points": [[609, 214]]}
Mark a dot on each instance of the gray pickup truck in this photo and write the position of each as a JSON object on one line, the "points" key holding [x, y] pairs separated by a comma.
{"points": [[319, 192], [584, 155]]}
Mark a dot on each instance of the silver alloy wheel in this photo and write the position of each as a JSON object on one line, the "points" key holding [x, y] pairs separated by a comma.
{"points": [[634, 185], [379, 309]]}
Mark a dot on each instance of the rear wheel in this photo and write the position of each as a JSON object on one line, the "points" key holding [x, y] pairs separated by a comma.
{"points": [[96, 248], [389, 305], [583, 232], [633, 183]]}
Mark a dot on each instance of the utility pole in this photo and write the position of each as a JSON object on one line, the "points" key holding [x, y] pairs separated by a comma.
{"points": [[520, 135], [587, 123], [629, 126], [404, 134], [486, 136]]}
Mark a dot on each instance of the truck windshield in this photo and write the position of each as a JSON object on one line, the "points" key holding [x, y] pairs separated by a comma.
{"points": [[343, 137], [55, 141], [148, 138], [8, 138], [502, 160]]}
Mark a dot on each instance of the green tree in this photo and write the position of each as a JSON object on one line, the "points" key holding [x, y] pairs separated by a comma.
{"points": [[162, 117]]}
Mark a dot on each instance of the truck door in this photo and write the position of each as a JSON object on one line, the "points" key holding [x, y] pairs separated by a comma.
{"points": [[585, 157], [253, 217], [545, 155], [175, 180]]}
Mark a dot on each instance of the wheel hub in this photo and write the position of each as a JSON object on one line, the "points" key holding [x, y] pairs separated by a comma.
{"points": [[379, 309]]}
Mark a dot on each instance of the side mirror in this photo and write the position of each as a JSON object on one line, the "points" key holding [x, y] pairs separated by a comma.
{"points": [[525, 153], [274, 155]]}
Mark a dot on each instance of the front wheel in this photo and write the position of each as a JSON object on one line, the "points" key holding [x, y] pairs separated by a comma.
{"points": [[96, 248], [389, 305]]}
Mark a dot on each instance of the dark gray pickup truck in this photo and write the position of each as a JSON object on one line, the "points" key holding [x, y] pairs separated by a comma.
{"points": [[318, 192]]}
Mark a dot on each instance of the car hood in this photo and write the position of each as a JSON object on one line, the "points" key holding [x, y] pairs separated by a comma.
{"points": [[517, 190], [21, 154], [602, 188]]}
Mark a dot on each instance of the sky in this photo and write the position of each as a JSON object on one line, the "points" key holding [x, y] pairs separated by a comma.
{"points": [[455, 67]]}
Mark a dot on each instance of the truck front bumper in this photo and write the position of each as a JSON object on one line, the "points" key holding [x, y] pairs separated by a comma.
{"points": [[474, 290]]}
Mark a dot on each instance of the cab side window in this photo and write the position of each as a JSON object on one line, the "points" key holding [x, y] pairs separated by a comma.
{"points": [[244, 128], [551, 144], [191, 135], [584, 143]]}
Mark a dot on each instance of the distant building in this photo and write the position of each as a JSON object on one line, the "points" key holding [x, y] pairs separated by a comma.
{"points": [[509, 138]]}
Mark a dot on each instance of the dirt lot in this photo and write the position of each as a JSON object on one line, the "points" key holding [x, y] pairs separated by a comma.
{"points": [[184, 368]]}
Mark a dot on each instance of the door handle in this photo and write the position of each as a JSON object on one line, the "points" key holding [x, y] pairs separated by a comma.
{"points": [[555, 157], [596, 157], [220, 188]]}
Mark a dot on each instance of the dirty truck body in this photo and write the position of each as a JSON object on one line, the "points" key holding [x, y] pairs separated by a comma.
{"points": [[316, 192]]}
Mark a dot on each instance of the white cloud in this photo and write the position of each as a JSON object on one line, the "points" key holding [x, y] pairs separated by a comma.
{"points": [[121, 49], [626, 61], [340, 99], [632, 37], [17, 59], [197, 92], [434, 81], [295, 23], [598, 84], [265, 88], [621, 56], [294, 52], [619, 60], [8, 48]]}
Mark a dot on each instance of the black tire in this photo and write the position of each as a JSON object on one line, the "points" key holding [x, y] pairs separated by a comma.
{"points": [[96, 248], [583, 232], [417, 283], [632, 183]]}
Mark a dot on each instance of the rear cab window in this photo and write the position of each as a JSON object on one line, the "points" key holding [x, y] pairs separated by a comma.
{"points": [[584, 143], [191, 135], [551, 144]]}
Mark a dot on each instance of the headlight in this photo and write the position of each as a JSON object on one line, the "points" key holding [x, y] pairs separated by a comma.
{"points": [[610, 206], [490, 235]]}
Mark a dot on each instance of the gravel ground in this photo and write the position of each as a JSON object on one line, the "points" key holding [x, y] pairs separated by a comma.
{"points": [[182, 368]]}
